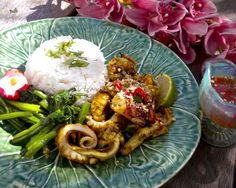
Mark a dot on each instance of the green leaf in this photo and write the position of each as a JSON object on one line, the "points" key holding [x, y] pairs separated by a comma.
{"points": [[5, 146]]}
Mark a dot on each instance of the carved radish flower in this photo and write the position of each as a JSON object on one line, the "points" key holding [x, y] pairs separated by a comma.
{"points": [[12, 83]]}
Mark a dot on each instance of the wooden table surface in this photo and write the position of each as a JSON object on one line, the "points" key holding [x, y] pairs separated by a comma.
{"points": [[209, 167]]}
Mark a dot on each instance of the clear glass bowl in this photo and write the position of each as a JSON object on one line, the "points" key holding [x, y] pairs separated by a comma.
{"points": [[219, 122]]}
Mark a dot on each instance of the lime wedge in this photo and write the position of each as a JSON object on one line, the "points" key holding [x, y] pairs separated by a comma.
{"points": [[168, 92]]}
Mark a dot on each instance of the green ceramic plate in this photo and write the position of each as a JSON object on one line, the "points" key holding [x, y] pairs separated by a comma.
{"points": [[152, 164]]}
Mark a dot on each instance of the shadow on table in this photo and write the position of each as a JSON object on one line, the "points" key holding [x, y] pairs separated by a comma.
{"points": [[206, 167], [48, 10]]}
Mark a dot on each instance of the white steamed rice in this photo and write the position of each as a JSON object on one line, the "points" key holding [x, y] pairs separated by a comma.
{"points": [[51, 75]]}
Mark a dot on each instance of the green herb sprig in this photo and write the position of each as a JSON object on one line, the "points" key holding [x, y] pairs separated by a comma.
{"points": [[73, 59]]}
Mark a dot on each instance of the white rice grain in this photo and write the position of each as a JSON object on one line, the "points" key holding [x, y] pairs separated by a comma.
{"points": [[51, 75]]}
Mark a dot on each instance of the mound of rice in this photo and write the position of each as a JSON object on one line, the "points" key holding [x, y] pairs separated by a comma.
{"points": [[51, 74]]}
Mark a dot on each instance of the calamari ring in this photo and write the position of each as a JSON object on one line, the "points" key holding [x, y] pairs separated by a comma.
{"points": [[69, 151], [96, 125], [86, 152]]}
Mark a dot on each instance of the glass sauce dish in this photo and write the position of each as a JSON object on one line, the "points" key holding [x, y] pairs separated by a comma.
{"points": [[218, 102]]}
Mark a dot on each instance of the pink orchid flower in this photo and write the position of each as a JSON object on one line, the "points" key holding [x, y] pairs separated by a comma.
{"points": [[189, 57], [195, 29], [182, 45], [101, 9], [164, 38], [201, 9], [178, 44], [170, 12], [220, 40], [145, 4], [181, 41], [165, 14]]}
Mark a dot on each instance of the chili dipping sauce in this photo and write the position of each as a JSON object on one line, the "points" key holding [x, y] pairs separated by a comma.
{"points": [[225, 86]]}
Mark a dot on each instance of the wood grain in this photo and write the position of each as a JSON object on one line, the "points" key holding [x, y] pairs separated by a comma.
{"points": [[209, 167], [27, 10]]}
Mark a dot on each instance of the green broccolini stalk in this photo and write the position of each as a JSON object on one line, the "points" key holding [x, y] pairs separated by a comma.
{"points": [[20, 110], [13, 115], [59, 109], [52, 119], [17, 124], [25, 106], [44, 103], [40, 94], [62, 110], [26, 133], [37, 145], [31, 119], [83, 112]]}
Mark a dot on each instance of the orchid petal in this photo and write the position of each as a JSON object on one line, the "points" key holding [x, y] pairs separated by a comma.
{"points": [[204, 16], [213, 22], [194, 27], [170, 12], [145, 4], [189, 57], [214, 43], [208, 6], [224, 52], [164, 37], [231, 41], [182, 41], [95, 12], [118, 13], [138, 17], [201, 9], [154, 28], [173, 28], [187, 3], [227, 28], [80, 3]]}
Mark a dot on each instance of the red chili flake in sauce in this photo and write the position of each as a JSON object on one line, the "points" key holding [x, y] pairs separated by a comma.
{"points": [[118, 84], [138, 92], [225, 86]]}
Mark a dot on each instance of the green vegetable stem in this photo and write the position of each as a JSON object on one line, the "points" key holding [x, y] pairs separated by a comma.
{"points": [[25, 106], [26, 133], [17, 124], [40, 143], [12, 115], [44, 104], [40, 94], [43, 114], [31, 119], [83, 112]]}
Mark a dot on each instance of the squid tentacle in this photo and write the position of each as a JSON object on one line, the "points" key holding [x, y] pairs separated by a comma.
{"points": [[102, 154], [86, 152], [68, 150]]}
